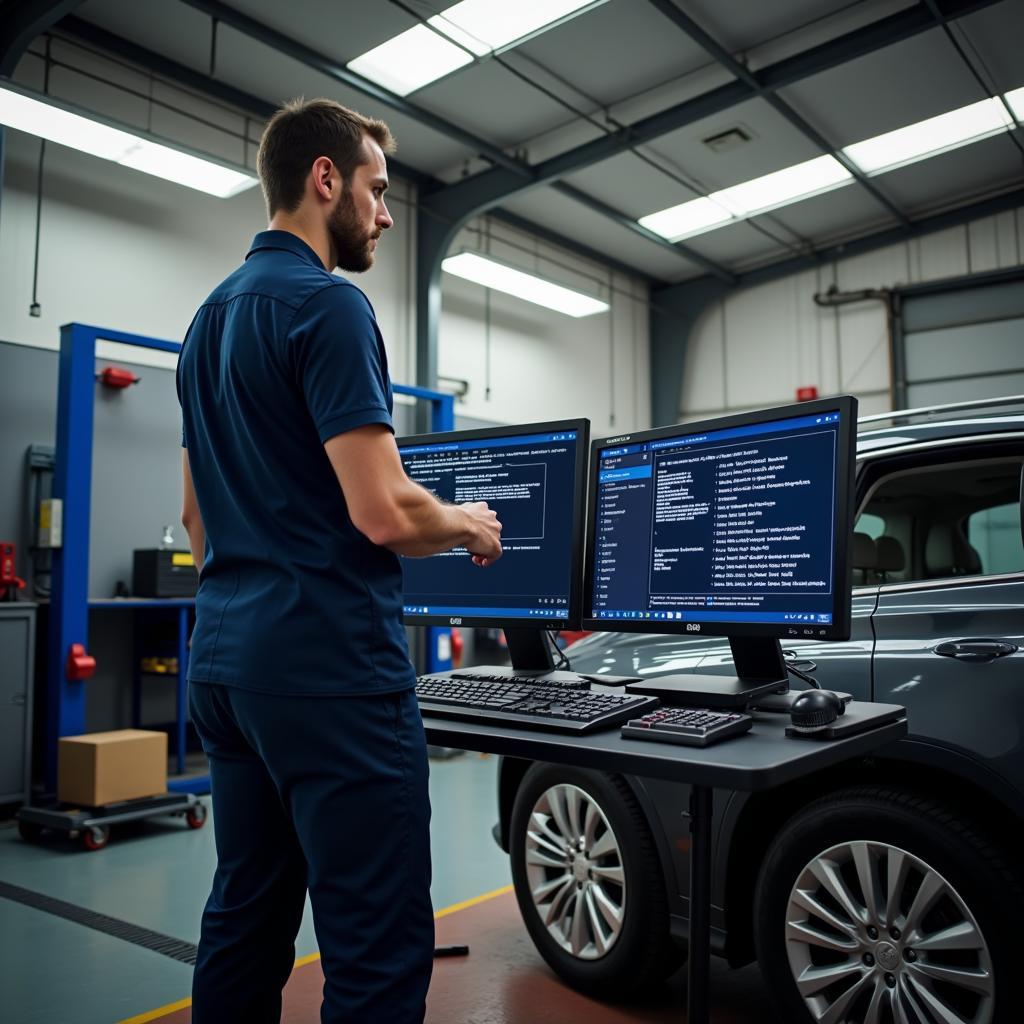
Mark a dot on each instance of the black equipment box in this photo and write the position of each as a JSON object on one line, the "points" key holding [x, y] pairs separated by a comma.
{"points": [[161, 572]]}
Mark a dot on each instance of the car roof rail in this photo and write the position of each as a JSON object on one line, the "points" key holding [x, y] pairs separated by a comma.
{"points": [[952, 408]]}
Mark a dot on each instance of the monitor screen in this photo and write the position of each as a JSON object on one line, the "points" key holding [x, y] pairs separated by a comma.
{"points": [[534, 477], [738, 526]]}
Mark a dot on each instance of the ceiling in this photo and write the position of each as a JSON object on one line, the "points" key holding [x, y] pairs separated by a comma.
{"points": [[846, 70]]}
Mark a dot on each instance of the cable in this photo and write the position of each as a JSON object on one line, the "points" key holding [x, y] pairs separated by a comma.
{"points": [[810, 680], [562, 660]]}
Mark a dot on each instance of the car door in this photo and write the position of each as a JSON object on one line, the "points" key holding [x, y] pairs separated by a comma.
{"points": [[949, 624]]}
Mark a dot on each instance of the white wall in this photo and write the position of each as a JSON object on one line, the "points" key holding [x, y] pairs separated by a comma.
{"points": [[131, 252], [760, 344], [545, 365]]}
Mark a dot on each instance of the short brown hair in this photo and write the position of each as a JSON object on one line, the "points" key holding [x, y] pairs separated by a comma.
{"points": [[303, 130]]}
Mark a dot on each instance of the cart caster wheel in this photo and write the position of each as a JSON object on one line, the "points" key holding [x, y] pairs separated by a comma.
{"points": [[30, 831], [96, 837], [196, 816]]}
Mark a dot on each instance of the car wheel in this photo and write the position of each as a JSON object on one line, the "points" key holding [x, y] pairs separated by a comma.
{"points": [[589, 882], [880, 907]]}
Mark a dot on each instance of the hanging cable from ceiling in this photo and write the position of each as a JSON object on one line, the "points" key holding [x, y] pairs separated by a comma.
{"points": [[35, 308]]}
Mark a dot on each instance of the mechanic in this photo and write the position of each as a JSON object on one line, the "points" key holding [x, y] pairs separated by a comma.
{"points": [[301, 689]]}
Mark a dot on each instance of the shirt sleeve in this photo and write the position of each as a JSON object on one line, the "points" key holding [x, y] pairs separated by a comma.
{"points": [[339, 361]]}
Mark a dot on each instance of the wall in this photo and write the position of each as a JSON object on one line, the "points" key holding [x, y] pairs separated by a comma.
{"points": [[759, 344]]}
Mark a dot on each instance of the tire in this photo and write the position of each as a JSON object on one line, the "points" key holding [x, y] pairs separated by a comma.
{"points": [[611, 953], [96, 837], [863, 960], [196, 816]]}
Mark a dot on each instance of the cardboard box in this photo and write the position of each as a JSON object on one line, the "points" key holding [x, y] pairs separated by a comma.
{"points": [[108, 767]]}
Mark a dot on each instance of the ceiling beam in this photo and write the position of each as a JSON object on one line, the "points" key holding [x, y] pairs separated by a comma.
{"points": [[21, 22], [918, 226], [490, 187], [734, 67]]}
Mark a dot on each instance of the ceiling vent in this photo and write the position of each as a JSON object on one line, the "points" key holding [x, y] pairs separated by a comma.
{"points": [[722, 142]]}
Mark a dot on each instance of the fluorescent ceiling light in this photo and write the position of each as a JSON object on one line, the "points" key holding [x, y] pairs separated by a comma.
{"points": [[800, 181], [931, 137], [493, 24], [411, 60], [1016, 101], [686, 219], [491, 274], [420, 55], [60, 123]]}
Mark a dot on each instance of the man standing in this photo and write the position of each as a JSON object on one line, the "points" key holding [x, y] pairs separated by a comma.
{"points": [[301, 689]]}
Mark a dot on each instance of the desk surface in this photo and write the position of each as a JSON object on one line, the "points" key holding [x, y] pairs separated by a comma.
{"points": [[760, 759]]}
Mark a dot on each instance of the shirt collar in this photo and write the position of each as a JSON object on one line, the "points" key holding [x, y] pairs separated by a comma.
{"points": [[287, 242]]}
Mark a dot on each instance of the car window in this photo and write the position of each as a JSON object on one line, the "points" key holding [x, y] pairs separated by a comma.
{"points": [[960, 519], [995, 534]]}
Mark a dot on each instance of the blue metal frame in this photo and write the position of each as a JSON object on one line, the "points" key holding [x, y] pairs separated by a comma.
{"points": [[72, 484]]}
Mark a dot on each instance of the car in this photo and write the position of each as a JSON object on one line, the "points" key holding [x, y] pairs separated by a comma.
{"points": [[884, 891]]}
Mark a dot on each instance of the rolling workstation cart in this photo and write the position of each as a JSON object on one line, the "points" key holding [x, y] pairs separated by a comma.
{"points": [[761, 759]]}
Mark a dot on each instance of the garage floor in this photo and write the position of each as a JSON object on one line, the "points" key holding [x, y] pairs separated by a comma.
{"points": [[156, 876]]}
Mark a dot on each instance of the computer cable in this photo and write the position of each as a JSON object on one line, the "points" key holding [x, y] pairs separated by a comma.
{"points": [[809, 680], [562, 659]]}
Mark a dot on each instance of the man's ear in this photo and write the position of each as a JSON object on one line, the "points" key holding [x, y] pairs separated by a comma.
{"points": [[324, 178]]}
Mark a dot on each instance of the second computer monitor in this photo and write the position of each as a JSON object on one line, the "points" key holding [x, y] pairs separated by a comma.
{"points": [[738, 526], [533, 476]]}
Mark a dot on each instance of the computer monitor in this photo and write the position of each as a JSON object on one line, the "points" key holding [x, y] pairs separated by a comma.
{"points": [[534, 477], [737, 527]]}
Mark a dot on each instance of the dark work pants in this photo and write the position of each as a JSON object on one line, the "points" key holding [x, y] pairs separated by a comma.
{"points": [[328, 793]]}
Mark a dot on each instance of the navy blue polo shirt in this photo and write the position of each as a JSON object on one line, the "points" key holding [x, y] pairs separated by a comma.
{"points": [[292, 599]]}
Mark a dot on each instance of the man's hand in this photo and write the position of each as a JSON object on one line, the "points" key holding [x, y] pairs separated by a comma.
{"points": [[485, 545]]}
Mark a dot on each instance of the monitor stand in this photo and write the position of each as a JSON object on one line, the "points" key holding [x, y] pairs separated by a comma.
{"points": [[760, 670], [531, 657]]}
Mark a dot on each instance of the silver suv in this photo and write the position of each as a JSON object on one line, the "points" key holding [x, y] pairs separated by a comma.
{"points": [[886, 891]]}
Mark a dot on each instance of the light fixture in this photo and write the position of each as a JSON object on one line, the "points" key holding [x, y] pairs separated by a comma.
{"points": [[1015, 100], [62, 123], [770, 191], [801, 181], [687, 219], [420, 55], [931, 137], [491, 274]]}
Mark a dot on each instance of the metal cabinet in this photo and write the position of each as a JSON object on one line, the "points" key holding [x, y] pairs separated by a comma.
{"points": [[17, 649]]}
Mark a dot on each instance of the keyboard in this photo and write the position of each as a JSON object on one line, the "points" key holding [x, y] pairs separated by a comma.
{"points": [[536, 705], [692, 727]]}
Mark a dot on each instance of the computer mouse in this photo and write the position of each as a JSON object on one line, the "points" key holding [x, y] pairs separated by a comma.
{"points": [[814, 709]]}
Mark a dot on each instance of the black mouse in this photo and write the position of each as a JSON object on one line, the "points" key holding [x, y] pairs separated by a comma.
{"points": [[814, 709]]}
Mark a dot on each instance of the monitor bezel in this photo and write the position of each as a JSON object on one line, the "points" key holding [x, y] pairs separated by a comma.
{"points": [[841, 626], [572, 621]]}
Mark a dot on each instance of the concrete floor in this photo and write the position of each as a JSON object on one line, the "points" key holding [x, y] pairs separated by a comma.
{"points": [[156, 875]]}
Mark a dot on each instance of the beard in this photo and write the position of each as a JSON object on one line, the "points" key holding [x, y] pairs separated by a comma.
{"points": [[350, 239]]}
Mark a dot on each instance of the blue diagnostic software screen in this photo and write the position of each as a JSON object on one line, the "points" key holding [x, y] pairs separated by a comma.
{"points": [[735, 525], [529, 481]]}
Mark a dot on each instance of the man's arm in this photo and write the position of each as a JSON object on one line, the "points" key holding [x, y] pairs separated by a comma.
{"points": [[396, 513], [190, 517]]}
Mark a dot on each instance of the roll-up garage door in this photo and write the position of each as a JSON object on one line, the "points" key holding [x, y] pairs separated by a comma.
{"points": [[962, 344]]}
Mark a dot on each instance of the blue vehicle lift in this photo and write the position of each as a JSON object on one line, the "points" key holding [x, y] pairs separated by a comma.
{"points": [[69, 601]]}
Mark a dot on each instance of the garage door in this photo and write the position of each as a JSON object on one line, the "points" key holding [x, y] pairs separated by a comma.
{"points": [[963, 344]]}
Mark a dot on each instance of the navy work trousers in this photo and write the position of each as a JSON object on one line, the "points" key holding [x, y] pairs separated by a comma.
{"points": [[329, 794]]}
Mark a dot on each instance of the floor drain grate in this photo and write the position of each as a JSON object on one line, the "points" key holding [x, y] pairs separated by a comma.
{"points": [[144, 937]]}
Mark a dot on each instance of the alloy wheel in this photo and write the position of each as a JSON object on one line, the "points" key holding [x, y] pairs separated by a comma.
{"points": [[875, 935], [575, 872]]}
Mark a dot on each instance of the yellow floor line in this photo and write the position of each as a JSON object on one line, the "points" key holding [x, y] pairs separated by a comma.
{"points": [[181, 1004]]}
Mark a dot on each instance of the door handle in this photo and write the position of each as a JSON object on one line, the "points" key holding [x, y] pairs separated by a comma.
{"points": [[976, 650]]}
